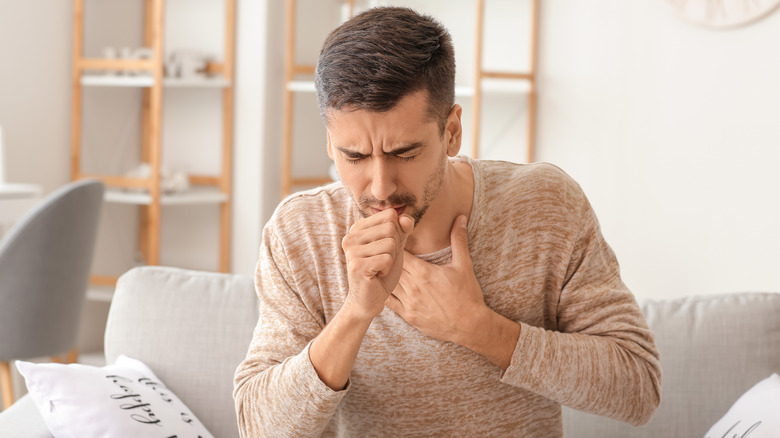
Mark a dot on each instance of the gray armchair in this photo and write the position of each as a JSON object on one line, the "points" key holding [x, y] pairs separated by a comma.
{"points": [[45, 260]]}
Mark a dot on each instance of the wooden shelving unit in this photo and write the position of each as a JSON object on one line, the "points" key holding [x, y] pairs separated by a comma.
{"points": [[486, 82], [146, 193], [481, 76]]}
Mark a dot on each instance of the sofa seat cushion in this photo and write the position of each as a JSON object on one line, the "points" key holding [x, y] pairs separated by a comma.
{"points": [[23, 420]]}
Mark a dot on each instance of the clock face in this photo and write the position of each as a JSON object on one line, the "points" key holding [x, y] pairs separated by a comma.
{"points": [[722, 13]]}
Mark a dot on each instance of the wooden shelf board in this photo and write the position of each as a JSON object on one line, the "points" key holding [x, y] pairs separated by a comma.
{"points": [[196, 195]]}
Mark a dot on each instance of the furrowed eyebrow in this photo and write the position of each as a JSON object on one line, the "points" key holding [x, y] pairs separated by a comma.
{"points": [[350, 153], [404, 149], [395, 152]]}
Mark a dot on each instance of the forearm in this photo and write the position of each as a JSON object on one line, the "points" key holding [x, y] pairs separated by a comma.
{"points": [[334, 351], [491, 335], [286, 399], [602, 374]]}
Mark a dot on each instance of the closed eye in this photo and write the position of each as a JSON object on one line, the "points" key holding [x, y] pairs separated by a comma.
{"points": [[353, 157], [405, 159]]}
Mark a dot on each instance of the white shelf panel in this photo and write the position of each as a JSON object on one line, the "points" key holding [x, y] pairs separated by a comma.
{"points": [[496, 86], [489, 86], [197, 195], [100, 293], [148, 81], [301, 86], [20, 191], [117, 81], [215, 82]]}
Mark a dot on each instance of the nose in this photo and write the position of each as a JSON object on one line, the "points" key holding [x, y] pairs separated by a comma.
{"points": [[382, 179]]}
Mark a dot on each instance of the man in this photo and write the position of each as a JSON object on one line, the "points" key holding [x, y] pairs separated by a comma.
{"points": [[428, 294]]}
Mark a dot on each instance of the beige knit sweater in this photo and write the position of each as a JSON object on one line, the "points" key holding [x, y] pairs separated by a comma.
{"points": [[540, 259]]}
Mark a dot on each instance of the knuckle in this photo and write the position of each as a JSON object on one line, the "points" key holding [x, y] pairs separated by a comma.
{"points": [[386, 259]]}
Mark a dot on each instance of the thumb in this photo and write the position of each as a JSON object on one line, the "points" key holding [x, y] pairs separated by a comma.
{"points": [[459, 239], [407, 225]]}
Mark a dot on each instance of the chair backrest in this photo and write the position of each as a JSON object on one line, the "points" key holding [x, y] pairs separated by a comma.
{"points": [[713, 349], [45, 259], [192, 329]]}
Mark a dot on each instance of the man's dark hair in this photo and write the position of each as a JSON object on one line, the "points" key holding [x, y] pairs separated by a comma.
{"points": [[382, 55]]}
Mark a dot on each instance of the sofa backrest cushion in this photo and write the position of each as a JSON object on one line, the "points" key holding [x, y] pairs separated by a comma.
{"points": [[192, 329], [713, 349]]}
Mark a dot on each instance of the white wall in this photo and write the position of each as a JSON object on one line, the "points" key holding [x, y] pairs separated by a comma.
{"points": [[673, 130], [35, 90]]}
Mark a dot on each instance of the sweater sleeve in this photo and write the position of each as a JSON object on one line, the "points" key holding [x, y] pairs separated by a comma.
{"points": [[602, 358], [277, 391]]}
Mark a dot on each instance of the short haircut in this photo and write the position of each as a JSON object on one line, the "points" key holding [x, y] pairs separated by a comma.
{"points": [[382, 55]]}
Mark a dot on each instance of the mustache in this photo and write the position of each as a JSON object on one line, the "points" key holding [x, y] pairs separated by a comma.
{"points": [[368, 201]]}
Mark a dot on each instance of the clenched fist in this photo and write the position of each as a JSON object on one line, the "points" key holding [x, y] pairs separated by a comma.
{"points": [[374, 248]]}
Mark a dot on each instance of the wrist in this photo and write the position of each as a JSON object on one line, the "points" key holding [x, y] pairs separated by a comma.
{"points": [[492, 336], [353, 313], [334, 351], [473, 331]]}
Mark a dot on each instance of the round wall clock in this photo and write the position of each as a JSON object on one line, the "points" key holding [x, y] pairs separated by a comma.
{"points": [[723, 13]]}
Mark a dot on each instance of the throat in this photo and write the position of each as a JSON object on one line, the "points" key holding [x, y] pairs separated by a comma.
{"points": [[421, 244]]}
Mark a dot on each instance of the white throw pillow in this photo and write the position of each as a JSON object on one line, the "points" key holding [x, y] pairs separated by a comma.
{"points": [[121, 400], [756, 414]]}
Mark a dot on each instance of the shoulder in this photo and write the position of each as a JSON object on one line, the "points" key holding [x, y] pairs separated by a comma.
{"points": [[326, 209], [537, 185]]}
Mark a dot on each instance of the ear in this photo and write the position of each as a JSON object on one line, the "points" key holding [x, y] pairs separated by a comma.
{"points": [[454, 130], [330, 146]]}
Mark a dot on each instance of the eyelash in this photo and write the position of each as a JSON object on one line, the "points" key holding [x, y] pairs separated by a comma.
{"points": [[355, 160]]}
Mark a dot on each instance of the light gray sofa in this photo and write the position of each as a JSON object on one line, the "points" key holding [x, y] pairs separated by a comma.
{"points": [[193, 328]]}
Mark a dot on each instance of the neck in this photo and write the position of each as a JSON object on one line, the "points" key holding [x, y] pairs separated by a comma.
{"points": [[432, 232]]}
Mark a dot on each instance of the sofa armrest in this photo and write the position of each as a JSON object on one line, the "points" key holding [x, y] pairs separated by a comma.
{"points": [[22, 420]]}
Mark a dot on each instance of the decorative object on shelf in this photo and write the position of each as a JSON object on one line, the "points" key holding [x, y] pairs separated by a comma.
{"points": [[171, 182], [723, 14], [126, 53], [187, 64]]}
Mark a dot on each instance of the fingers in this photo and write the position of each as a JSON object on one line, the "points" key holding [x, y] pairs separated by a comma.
{"points": [[366, 235], [388, 215], [378, 256], [372, 266], [459, 239], [374, 245]]}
